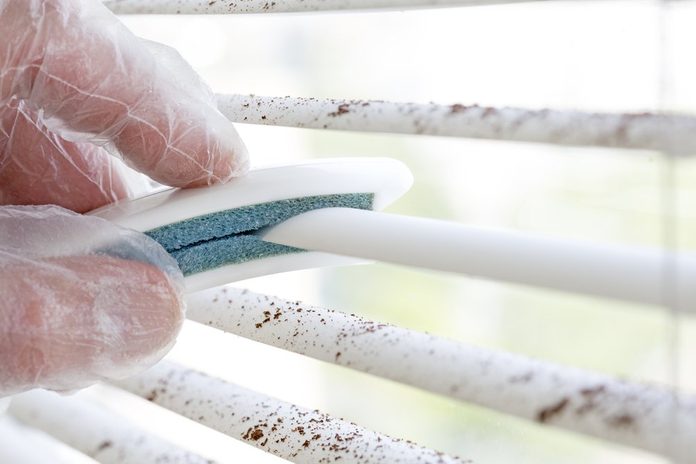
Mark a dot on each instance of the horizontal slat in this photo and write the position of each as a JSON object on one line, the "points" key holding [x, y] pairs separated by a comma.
{"points": [[280, 6], [633, 414], [20, 444], [646, 131], [297, 434], [628, 273], [104, 436]]}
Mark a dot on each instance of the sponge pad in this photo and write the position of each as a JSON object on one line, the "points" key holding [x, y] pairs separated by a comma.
{"points": [[229, 237]]}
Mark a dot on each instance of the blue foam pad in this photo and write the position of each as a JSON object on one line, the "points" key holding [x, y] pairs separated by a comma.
{"points": [[229, 237]]}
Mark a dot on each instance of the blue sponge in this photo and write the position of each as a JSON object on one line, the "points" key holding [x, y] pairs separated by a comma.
{"points": [[229, 237]]}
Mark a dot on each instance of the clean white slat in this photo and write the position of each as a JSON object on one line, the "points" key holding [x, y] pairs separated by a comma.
{"points": [[95, 431], [629, 273], [20, 444]]}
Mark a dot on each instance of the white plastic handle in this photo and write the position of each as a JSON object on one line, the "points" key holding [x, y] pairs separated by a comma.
{"points": [[626, 273]]}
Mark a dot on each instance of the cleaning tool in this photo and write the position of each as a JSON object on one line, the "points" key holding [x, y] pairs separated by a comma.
{"points": [[212, 232], [325, 213]]}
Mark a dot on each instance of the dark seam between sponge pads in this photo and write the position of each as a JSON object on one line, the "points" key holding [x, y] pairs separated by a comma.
{"points": [[227, 237]]}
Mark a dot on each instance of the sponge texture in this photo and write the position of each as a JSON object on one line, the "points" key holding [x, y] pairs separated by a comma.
{"points": [[230, 237]]}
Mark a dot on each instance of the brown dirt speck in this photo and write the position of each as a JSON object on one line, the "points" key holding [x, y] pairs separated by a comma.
{"points": [[622, 420], [104, 445], [343, 108], [549, 412]]}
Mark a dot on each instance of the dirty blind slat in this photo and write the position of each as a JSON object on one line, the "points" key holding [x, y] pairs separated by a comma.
{"points": [[671, 133], [291, 432], [638, 415], [281, 6]]}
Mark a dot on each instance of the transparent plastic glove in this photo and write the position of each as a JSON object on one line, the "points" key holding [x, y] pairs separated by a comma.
{"points": [[71, 73], [81, 299]]}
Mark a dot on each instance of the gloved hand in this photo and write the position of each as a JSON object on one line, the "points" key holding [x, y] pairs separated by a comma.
{"points": [[81, 299]]}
